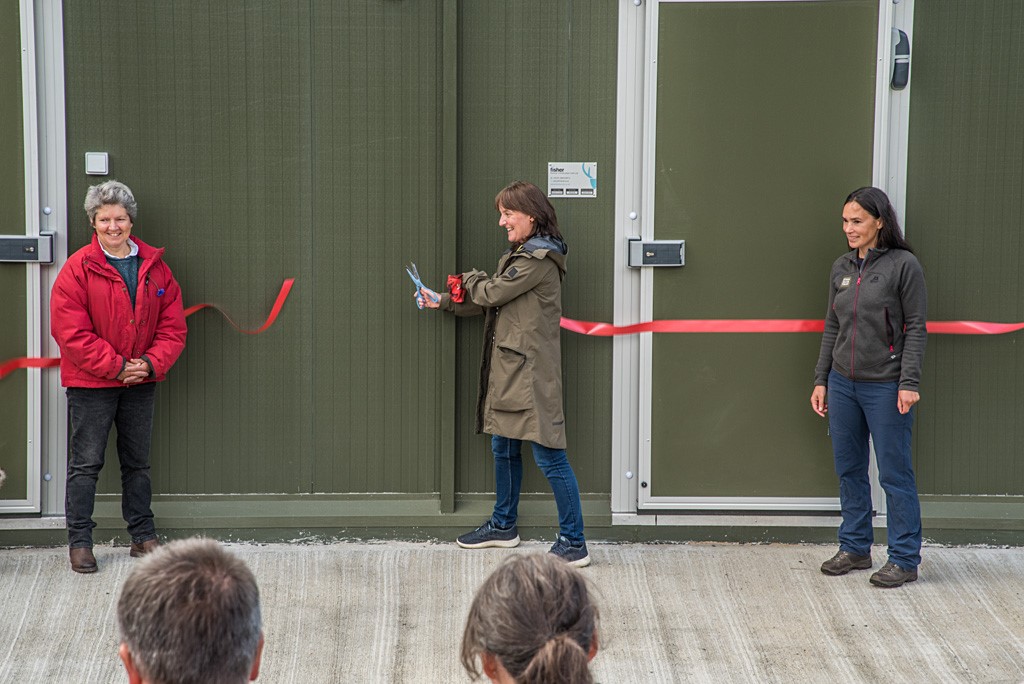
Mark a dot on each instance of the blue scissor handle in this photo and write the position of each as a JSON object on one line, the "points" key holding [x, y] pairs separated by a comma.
{"points": [[414, 275]]}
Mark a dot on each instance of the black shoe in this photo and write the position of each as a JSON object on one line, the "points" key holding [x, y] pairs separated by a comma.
{"points": [[844, 561], [573, 555], [892, 575], [488, 535]]}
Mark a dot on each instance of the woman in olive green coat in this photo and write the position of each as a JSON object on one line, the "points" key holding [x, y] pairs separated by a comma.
{"points": [[520, 393]]}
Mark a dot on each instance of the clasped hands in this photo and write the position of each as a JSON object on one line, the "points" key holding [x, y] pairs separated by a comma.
{"points": [[134, 372]]}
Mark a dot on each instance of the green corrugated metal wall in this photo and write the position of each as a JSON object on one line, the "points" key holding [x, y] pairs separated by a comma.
{"points": [[268, 140], [271, 139], [12, 276], [965, 200], [537, 84], [333, 141]]}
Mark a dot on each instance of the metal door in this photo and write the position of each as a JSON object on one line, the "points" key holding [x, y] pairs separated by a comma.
{"points": [[19, 390], [764, 119]]}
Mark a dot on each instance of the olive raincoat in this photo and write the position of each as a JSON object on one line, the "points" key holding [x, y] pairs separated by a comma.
{"points": [[520, 393]]}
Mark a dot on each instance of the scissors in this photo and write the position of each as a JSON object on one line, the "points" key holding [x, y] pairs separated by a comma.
{"points": [[414, 274]]}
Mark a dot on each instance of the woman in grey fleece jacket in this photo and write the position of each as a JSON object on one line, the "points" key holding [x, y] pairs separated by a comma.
{"points": [[869, 368]]}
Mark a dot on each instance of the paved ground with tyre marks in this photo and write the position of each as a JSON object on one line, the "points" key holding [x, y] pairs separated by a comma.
{"points": [[393, 612]]}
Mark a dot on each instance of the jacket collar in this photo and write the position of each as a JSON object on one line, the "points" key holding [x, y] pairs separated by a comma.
{"points": [[97, 260], [539, 248], [873, 254]]}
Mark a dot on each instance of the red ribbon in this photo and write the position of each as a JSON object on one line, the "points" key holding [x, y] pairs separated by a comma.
{"points": [[711, 325], [763, 325], [24, 362], [286, 287], [455, 288], [14, 364], [753, 325], [972, 328]]}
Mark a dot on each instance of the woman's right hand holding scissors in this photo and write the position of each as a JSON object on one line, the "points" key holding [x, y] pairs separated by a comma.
{"points": [[426, 297]]}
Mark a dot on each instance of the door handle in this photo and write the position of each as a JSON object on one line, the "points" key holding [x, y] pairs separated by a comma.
{"points": [[27, 249], [656, 253], [900, 60]]}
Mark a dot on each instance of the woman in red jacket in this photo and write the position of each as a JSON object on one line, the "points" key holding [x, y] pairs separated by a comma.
{"points": [[116, 314]]}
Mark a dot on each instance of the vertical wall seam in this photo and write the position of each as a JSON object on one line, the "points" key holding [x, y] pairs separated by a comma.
{"points": [[448, 418]]}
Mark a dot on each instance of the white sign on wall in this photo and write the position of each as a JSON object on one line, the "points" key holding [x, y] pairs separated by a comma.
{"points": [[572, 179]]}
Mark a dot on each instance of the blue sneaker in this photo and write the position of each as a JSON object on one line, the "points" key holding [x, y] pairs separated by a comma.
{"points": [[488, 535], [573, 555]]}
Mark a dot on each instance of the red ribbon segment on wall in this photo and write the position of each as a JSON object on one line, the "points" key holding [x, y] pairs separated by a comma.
{"points": [[711, 325], [768, 325], [751, 325], [286, 288], [9, 367], [972, 328]]}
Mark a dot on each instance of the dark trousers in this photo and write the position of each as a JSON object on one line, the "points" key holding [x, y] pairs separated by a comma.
{"points": [[93, 411], [857, 410]]}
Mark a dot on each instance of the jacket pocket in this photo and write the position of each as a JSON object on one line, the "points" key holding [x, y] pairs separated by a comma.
{"points": [[511, 380], [890, 335]]}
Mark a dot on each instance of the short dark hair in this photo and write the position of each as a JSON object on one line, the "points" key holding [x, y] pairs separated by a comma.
{"points": [[535, 615], [190, 613], [876, 203], [529, 199]]}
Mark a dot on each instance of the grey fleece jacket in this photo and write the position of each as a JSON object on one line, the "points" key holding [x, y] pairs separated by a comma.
{"points": [[875, 324]]}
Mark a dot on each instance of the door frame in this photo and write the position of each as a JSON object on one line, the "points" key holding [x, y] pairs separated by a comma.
{"points": [[42, 45], [633, 290], [30, 502]]}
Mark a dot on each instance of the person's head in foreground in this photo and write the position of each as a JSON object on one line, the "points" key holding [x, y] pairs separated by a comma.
{"points": [[532, 620], [189, 613]]}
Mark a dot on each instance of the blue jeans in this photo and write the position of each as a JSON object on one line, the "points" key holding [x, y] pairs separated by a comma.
{"points": [[508, 478], [855, 410], [92, 412]]}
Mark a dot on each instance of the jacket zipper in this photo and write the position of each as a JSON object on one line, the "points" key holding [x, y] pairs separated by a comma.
{"points": [[145, 291], [853, 337]]}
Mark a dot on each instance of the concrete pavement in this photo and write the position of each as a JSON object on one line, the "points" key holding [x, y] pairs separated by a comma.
{"points": [[699, 612]]}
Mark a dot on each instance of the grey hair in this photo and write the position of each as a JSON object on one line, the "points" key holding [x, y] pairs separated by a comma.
{"points": [[535, 615], [110, 192], [190, 613]]}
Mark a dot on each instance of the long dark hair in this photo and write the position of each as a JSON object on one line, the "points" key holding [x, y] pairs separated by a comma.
{"points": [[876, 203], [529, 199]]}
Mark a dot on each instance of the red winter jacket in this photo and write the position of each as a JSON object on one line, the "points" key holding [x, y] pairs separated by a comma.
{"points": [[92, 320]]}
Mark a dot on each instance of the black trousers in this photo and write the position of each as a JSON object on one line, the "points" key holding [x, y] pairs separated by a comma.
{"points": [[93, 411]]}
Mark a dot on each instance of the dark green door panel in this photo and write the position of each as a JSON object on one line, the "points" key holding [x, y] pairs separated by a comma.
{"points": [[965, 199], [737, 428], [13, 388], [764, 123]]}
